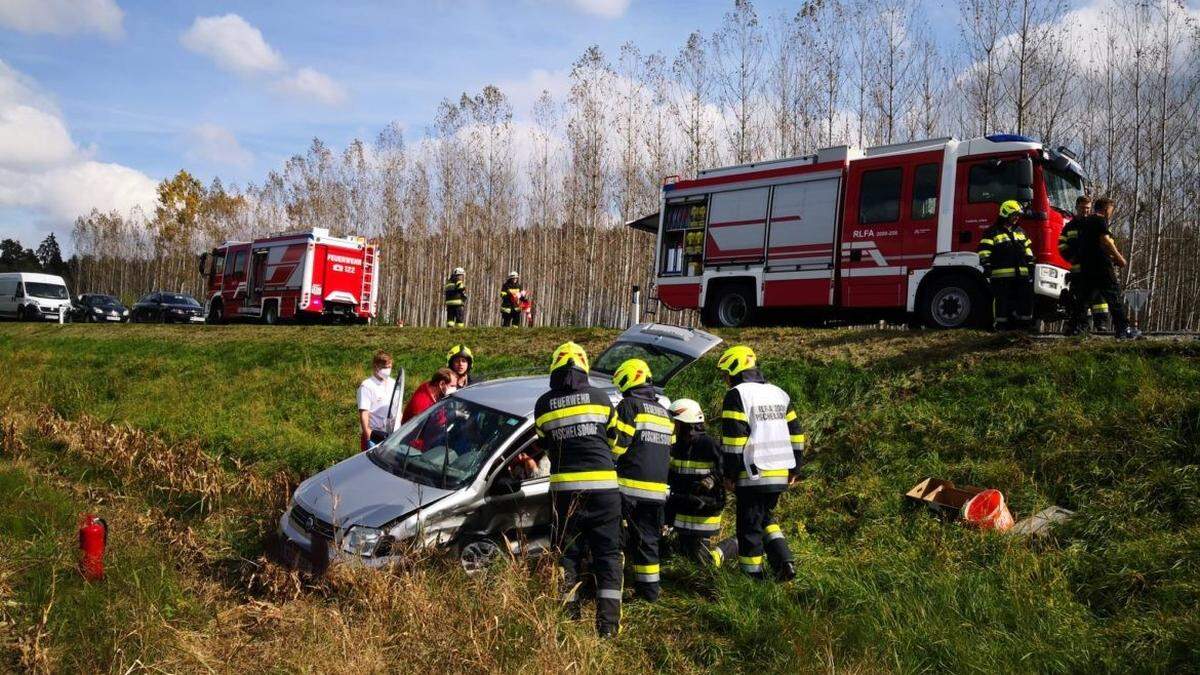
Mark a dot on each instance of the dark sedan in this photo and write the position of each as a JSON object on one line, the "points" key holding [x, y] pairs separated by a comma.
{"points": [[98, 308], [167, 308]]}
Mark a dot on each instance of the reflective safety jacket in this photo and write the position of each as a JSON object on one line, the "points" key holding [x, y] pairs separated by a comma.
{"points": [[640, 434], [456, 292], [1005, 252], [1068, 243], [510, 296], [571, 422], [697, 496], [753, 428]]}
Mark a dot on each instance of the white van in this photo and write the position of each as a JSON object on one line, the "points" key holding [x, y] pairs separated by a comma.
{"points": [[32, 297]]}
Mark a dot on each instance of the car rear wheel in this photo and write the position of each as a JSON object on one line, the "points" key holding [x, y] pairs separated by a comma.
{"points": [[479, 554], [954, 301]]}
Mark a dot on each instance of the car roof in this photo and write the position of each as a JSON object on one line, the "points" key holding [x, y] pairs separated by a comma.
{"points": [[36, 277], [516, 395]]}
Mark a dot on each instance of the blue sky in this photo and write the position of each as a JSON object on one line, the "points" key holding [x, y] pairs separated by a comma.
{"points": [[142, 88]]}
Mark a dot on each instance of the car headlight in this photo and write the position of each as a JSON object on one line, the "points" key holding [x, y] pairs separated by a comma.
{"points": [[125, 313], [97, 310], [361, 541]]}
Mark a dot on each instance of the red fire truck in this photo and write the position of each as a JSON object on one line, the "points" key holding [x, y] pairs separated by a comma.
{"points": [[886, 232], [306, 275]]}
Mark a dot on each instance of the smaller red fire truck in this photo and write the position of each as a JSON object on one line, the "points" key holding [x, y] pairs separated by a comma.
{"points": [[306, 275]]}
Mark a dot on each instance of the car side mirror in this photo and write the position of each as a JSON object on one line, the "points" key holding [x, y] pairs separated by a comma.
{"points": [[1025, 173], [504, 485]]}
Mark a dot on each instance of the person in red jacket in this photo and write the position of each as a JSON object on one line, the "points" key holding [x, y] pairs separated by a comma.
{"points": [[428, 393]]}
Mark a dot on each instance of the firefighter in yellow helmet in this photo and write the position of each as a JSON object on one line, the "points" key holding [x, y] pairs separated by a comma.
{"points": [[761, 446], [640, 434], [1006, 255], [571, 420], [459, 360]]}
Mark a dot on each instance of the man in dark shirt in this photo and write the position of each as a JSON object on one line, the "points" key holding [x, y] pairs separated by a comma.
{"points": [[1098, 259]]}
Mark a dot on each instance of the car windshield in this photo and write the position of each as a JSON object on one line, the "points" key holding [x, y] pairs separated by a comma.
{"points": [[178, 299], [49, 291], [1063, 188], [663, 363], [104, 301], [445, 446]]}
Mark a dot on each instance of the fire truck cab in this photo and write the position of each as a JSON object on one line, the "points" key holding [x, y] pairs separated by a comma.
{"points": [[305, 275], [889, 231]]}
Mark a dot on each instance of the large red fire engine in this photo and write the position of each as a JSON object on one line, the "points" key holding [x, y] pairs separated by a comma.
{"points": [[846, 233], [306, 275]]}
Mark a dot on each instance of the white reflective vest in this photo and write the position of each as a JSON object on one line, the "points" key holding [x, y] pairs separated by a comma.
{"points": [[770, 444]]}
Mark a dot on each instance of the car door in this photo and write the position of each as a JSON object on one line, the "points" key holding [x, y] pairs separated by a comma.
{"points": [[514, 508], [8, 290]]}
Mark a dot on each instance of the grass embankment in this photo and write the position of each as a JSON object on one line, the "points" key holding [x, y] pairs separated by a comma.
{"points": [[239, 412]]}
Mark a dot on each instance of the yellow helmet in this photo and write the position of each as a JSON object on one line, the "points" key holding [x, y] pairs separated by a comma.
{"points": [[463, 351], [736, 359], [567, 353], [1010, 207], [630, 374]]}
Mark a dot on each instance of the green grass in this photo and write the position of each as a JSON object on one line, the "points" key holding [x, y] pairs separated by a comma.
{"points": [[1109, 430]]}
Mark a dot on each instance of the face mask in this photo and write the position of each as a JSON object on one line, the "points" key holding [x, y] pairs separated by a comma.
{"points": [[383, 373], [451, 389]]}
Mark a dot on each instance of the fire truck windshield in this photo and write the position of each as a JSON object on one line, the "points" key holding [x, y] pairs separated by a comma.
{"points": [[1063, 187]]}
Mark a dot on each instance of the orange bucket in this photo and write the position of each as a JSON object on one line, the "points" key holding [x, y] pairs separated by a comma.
{"points": [[987, 511]]}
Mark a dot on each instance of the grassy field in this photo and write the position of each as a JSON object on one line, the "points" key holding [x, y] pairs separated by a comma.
{"points": [[188, 441]]}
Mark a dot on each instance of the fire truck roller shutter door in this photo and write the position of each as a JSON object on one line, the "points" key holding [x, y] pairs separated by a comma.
{"points": [[800, 247], [737, 227]]}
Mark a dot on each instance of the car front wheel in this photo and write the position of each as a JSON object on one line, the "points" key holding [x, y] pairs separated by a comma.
{"points": [[480, 554]]}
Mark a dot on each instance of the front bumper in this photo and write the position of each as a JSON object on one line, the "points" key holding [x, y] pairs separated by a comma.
{"points": [[1049, 280], [298, 547]]}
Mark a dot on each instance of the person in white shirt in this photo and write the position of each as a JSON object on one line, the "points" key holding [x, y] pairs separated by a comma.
{"points": [[377, 408]]}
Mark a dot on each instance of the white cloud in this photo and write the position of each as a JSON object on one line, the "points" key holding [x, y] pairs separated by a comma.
{"points": [[43, 170], [215, 143], [63, 17], [233, 44], [607, 9], [309, 84]]}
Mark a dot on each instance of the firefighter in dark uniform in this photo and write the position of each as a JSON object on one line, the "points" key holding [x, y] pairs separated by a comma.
{"points": [[1067, 245], [1006, 255], [510, 300], [697, 493], [456, 299], [571, 420], [640, 435], [761, 445], [1098, 259]]}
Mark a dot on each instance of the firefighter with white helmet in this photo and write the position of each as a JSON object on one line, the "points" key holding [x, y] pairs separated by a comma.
{"points": [[1006, 254], [697, 494], [761, 446], [456, 299], [640, 434], [511, 294], [571, 421]]}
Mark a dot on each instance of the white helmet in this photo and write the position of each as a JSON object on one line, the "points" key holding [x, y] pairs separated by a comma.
{"points": [[688, 411], [457, 271], [513, 275]]}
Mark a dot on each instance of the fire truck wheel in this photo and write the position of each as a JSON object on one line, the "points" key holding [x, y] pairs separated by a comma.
{"points": [[216, 313], [954, 301], [271, 314], [732, 306]]}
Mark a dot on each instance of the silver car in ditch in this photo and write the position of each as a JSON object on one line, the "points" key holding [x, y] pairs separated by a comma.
{"points": [[466, 475]]}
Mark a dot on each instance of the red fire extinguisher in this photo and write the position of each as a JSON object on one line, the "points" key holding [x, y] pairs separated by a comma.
{"points": [[93, 536]]}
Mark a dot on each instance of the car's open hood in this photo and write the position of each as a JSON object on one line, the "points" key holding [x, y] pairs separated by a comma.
{"points": [[356, 491]]}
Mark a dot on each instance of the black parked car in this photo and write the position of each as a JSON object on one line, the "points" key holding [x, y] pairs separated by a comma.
{"points": [[98, 308], [167, 308]]}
